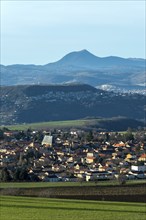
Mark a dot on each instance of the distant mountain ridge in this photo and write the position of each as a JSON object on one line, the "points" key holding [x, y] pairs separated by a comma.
{"points": [[85, 58], [82, 58], [81, 66]]}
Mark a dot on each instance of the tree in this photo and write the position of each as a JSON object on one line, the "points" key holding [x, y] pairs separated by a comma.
{"points": [[21, 174], [20, 135], [137, 149], [128, 135], [1, 134], [89, 136], [122, 179], [16, 174], [33, 177], [39, 137], [95, 179], [107, 137], [5, 175]]}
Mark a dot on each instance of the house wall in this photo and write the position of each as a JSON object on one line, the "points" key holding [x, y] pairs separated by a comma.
{"points": [[138, 168]]}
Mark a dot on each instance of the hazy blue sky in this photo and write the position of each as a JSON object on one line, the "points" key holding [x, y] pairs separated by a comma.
{"points": [[40, 32]]}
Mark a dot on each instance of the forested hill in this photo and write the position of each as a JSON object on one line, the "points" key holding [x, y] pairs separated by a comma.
{"points": [[39, 103]]}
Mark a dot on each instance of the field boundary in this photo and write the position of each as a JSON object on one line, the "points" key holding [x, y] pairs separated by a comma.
{"points": [[134, 193]]}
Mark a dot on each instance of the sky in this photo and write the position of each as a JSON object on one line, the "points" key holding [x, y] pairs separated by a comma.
{"points": [[40, 32]]}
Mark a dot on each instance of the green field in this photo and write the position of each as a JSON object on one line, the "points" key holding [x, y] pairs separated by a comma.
{"points": [[58, 184], [16, 208], [101, 123], [42, 184], [53, 124]]}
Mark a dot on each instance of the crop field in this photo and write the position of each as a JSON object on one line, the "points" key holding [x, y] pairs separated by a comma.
{"points": [[16, 208]]}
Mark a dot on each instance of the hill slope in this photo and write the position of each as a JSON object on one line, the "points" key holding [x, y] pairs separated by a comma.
{"points": [[38, 103]]}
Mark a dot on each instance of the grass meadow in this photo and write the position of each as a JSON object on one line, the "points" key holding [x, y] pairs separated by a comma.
{"points": [[59, 184], [52, 124], [34, 208]]}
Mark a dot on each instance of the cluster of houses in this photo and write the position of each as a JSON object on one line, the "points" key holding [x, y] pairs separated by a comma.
{"points": [[67, 156]]}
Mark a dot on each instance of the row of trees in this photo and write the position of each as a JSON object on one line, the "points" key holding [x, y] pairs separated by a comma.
{"points": [[17, 174]]}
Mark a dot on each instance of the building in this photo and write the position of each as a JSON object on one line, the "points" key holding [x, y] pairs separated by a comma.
{"points": [[47, 140]]}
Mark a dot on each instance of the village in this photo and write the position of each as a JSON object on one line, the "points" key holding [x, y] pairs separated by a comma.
{"points": [[73, 155]]}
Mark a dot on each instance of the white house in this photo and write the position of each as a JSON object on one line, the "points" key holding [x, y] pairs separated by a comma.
{"points": [[47, 140], [138, 168]]}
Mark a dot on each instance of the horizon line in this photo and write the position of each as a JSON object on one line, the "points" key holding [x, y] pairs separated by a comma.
{"points": [[75, 51]]}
